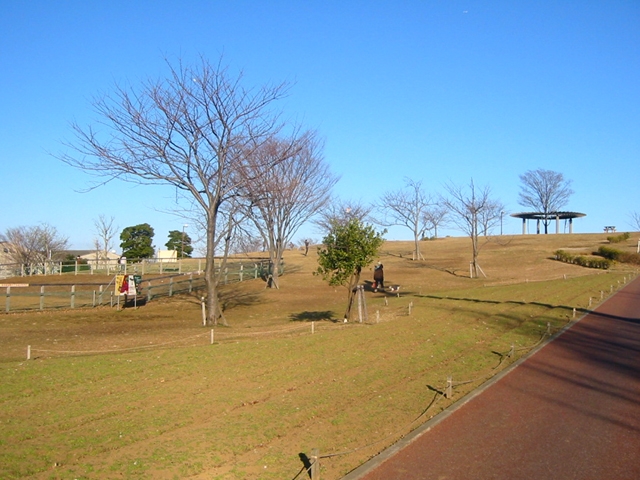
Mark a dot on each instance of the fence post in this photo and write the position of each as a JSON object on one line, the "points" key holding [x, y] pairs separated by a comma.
{"points": [[315, 464], [100, 293], [212, 336], [28, 352], [8, 305], [204, 312], [171, 286], [313, 327], [255, 270], [447, 392], [73, 296], [241, 272], [42, 297], [76, 267], [190, 282], [94, 299]]}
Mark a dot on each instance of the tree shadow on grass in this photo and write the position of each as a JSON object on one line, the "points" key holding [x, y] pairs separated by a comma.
{"points": [[316, 316]]}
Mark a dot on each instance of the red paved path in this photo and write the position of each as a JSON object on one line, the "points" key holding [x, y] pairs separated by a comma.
{"points": [[570, 411]]}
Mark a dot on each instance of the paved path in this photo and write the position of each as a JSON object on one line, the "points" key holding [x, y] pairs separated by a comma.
{"points": [[570, 411]]}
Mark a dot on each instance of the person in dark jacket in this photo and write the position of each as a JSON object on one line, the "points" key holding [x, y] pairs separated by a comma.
{"points": [[378, 277]]}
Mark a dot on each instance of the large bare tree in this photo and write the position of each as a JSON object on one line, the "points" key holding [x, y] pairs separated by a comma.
{"points": [[407, 208], [35, 246], [280, 199], [471, 207], [191, 130], [545, 191]]}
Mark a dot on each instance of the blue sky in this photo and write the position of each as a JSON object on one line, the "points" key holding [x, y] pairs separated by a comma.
{"points": [[439, 91]]}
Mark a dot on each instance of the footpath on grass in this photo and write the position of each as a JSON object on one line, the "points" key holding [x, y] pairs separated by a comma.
{"points": [[569, 411]]}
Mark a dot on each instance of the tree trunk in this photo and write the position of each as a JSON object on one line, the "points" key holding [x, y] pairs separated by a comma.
{"points": [[214, 310], [352, 294]]}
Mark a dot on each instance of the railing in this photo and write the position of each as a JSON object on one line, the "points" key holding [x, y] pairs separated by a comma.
{"points": [[143, 266]]}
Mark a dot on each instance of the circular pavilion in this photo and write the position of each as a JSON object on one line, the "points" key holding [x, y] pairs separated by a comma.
{"points": [[546, 218]]}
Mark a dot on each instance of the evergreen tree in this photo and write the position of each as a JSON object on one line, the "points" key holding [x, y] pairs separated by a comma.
{"points": [[137, 241], [347, 249], [181, 243]]}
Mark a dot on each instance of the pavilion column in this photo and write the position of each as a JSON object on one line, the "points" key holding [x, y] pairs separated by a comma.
{"points": [[570, 225]]}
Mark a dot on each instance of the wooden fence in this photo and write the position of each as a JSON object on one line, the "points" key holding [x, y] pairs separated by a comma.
{"points": [[142, 266], [35, 296]]}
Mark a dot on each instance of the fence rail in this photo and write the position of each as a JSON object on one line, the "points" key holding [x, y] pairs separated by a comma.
{"points": [[35, 296]]}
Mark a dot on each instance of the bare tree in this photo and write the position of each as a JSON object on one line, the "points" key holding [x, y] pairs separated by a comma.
{"points": [[469, 207], [545, 191], [341, 212], [635, 220], [407, 208], [105, 231], [282, 197], [435, 216], [36, 246], [490, 216], [192, 131]]}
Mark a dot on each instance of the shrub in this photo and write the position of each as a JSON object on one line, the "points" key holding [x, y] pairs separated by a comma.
{"points": [[619, 238], [608, 252], [582, 260]]}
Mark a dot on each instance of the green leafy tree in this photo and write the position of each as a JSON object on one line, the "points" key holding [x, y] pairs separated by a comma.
{"points": [[347, 249], [137, 241], [181, 243]]}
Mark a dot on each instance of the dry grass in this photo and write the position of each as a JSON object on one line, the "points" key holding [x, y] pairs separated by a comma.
{"points": [[268, 390]]}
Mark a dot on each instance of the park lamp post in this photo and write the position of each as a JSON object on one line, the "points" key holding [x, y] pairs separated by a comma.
{"points": [[182, 242]]}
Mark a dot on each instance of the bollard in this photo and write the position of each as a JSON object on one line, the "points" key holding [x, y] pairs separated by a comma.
{"points": [[315, 464], [447, 392], [28, 352], [410, 307], [204, 312], [574, 312], [601, 294], [212, 336], [589, 302], [313, 327], [548, 328]]}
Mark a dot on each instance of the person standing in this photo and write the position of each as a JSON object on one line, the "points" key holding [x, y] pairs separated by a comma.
{"points": [[378, 277]]}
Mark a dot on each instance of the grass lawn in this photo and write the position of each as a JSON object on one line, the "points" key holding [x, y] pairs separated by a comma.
{"points": [[142, 393]]}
